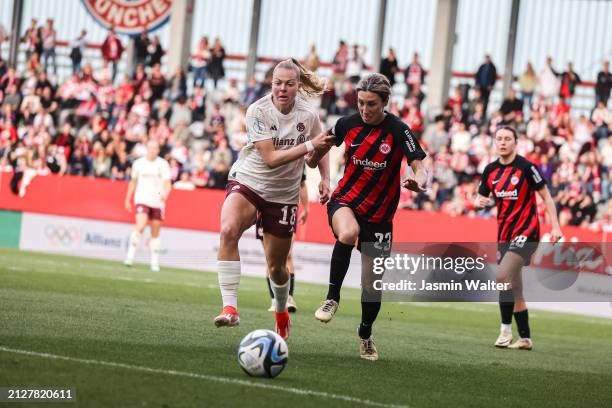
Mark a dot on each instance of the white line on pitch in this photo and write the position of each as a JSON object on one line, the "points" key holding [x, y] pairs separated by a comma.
{"points": [[206, 377]]}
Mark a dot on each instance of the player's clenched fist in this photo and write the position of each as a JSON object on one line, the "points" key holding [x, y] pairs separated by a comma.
{"points": [[481, 202], [323, 141]]}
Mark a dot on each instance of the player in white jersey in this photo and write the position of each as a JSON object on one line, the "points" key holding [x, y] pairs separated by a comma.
{"points": [[151, 182], [283, 128]]}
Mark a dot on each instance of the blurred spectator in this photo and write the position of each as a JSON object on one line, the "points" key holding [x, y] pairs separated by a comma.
{"points": [[455, 101], [155, 52], [121, 166], [78, 164], [347, 104], [141, 44], [184, 182], [485, 79], [157, 81], [414, 75], [177, 85], [603, 84], [606, 154], [528, 82], [200, 57], [33, 39], [77, 50], [461, 139], [548, 81], [12, 98], [413, 117], [329, 98], [198, 105], [312, 61], [436, 136], [569, 80], [101, 163], [49, 38], [339, 63], [355, 63], [10, 78], [112, 50], [33, 67], [512, 108], [181, 112], [217, 57], [4, 36], [3, 69], [389, 66]]}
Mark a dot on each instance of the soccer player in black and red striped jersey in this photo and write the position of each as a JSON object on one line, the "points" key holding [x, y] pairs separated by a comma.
{"points": [[362, 206], [513, 181]]}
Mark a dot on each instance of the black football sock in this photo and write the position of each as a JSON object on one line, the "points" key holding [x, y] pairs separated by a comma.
{"points": [[340, 260], [369, 312], [522, 322], [506, 305], [291, 284], [270, 287], [370, 306]]}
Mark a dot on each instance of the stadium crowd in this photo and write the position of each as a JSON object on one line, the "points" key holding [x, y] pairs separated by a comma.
{"points": [[96, 121]]}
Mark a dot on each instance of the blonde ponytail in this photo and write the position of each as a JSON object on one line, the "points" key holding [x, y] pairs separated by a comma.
{"points": [[312, 84]]}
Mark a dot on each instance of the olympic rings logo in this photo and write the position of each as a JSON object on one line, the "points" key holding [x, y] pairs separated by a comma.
{"points": [[61, 235]]}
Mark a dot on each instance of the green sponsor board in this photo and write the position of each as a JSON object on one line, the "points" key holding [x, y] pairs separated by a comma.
{"points": [[10, 229]]}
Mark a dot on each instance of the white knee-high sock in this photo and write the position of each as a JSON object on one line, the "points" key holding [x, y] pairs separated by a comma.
{"points": [[229, 281], [154, 246], [133, 244], [281, 293]]}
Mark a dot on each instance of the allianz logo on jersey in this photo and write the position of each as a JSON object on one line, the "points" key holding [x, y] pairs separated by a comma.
{"points": [[369, 164], [511, 195], [278, 142]]}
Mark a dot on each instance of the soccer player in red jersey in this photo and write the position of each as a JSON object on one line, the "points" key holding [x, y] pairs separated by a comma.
{"points": [[513, 181], [362, 206]]}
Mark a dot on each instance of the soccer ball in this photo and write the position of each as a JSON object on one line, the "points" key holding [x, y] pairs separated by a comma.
{"points": [[263, 353]]}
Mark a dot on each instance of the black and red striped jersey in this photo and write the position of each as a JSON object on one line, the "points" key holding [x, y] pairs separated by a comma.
{"points": [[373, 156], [513, 187]]}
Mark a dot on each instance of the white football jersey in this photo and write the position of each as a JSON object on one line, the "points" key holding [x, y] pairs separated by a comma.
{"points": [[264, 121], [150, 177]]}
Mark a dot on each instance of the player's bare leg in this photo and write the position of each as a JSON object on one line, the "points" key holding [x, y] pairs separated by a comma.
{"points": [[509, 266], [276, 250], [141, 223], [155, 244], [346, 228], [521, 315], [291, 305], [237, 215], [370, 306]]}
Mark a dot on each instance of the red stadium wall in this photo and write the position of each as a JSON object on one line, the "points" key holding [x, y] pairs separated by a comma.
{"points": [[102, 199]]}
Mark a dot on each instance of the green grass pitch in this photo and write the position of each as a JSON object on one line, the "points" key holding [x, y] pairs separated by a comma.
{"points": [[126, 337]]}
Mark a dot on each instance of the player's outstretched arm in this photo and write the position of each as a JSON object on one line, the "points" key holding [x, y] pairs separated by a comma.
{"points": [[276, 158], [167, 189], [128, 196], [324, 189], [551, 209], [304, 202]]}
